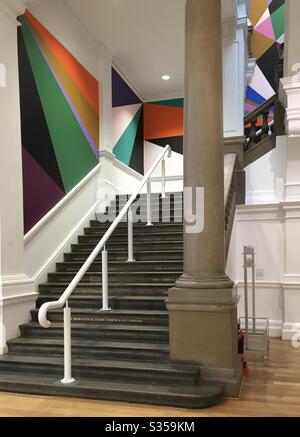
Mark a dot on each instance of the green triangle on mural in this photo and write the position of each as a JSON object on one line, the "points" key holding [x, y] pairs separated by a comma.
{"points": [[74, 155], [179, 103], [124, 147], [278, 20]]}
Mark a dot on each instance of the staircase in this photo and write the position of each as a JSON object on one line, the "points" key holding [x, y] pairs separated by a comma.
{"points": [[121, 355]]}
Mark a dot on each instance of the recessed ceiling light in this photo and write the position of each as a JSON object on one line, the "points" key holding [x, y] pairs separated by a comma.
{"points": [[166, 77]]}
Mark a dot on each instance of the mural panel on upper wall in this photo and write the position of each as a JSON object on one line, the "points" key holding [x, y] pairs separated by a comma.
{"points": [[59, 119], [267, 18], [127, 124], [163, 123]]}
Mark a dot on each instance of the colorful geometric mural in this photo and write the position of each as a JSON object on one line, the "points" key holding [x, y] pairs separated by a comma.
{"points": [[127, 124], [163, 123], [267, 18], [59, 119]]}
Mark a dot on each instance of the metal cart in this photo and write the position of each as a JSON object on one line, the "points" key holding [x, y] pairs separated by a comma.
{"points": [[256, 329]]}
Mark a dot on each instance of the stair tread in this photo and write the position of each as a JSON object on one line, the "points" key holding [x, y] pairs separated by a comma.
{"points": [[197, 396], [146, 262], [123, 273], [118, 297], [101, 326], [112, 312], [113, 285], [91, 343], [111, 364]]}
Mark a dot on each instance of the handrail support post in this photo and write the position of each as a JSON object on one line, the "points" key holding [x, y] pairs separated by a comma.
{"points": [[67, 347], [105, 306], [130, 236], [163, 178], [149, 212]]}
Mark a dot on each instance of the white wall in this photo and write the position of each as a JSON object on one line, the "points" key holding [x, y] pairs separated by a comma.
{"points": [[260, 226], [265, 178]]}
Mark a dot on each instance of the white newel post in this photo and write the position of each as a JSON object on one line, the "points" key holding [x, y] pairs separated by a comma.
{"points": [[290, 97], [16, 293]]}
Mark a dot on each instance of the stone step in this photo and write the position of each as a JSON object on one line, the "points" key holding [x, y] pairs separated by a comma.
{"points": [[166, 215], [163, 373], [126, 317], [176, 195], [138, 228], [149, 245], [94, 302], [147, 255], [115, 290], [100, 332], [91, 349], [115, 266], [137, 238], [197, 396], [113, 277]]}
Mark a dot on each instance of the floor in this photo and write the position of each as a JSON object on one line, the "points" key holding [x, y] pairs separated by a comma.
{"points": [[271, 389]]}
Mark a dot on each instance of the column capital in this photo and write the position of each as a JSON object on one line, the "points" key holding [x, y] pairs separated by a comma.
{"points": [[12, 9]]}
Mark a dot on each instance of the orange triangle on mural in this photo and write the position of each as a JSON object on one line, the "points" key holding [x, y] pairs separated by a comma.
{"points": [[260, 44]]}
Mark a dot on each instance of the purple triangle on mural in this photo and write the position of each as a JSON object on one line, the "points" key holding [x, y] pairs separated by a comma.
{"points": [[269, 2], [266, 29], [40, 192]]}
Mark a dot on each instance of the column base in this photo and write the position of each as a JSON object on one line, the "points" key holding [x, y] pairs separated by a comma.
{"points": [[203, 330]]}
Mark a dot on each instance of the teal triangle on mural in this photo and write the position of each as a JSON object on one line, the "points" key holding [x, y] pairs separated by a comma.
{"points": [[124, 147], [179, 103]]}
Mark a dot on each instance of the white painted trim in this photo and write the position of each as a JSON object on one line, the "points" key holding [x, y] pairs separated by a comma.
{"points": [[174, 178], [289, 330], [107, 154], [16, 280], [60, 205], [61, 248], [127, 169], [114, 187], [266, 212], [18, 299], [291, 282]]}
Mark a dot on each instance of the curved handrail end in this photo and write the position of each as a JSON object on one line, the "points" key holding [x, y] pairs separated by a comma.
{"points": [[42, 316]]}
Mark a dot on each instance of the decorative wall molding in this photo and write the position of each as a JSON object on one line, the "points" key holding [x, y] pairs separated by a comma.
{"points": [[19, 299], [62, 204], [289, 95], [266, 212], [107, 154]]}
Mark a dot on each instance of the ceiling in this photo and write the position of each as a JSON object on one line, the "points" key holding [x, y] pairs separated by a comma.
{"points": [[145, 39]]}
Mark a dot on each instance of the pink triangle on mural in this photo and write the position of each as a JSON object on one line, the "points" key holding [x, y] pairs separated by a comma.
{"points": [[266, 29]]}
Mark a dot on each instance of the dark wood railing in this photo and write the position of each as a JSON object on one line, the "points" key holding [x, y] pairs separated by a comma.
{"points": [[261, 139]]}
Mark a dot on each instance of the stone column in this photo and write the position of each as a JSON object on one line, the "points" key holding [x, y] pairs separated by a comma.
{"points": [[202, 306]]}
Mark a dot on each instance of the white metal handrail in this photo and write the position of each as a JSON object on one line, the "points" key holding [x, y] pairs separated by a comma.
{"points": [[101, 246]]}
